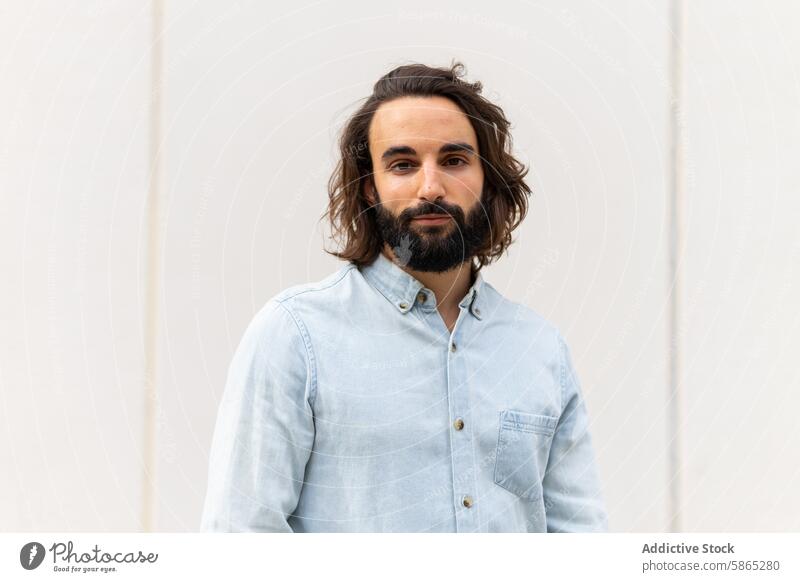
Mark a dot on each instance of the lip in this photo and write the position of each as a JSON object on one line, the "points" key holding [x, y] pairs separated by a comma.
{"points": [[432, 219]]}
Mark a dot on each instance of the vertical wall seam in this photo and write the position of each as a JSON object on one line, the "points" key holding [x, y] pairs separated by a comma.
{"points": [[153, 270], [677, 201]]}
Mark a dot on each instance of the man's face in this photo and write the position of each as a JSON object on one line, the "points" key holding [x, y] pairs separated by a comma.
{"points": [[427, 182]]}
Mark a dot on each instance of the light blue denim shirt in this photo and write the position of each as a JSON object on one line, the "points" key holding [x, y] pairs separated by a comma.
{"points": [[350, 407]]}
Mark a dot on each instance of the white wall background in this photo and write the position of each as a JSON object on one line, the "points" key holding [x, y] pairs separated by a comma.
{"points": [[209, 133]]}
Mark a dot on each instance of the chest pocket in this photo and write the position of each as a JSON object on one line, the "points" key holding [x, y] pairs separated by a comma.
{"points": [[523, 446]]}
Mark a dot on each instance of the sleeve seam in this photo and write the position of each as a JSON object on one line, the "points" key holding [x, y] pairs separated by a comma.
{"points": [[562, 368], [309, 351]]}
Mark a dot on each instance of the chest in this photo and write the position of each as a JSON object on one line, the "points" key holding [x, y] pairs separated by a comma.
{"points": [[375, 397]]}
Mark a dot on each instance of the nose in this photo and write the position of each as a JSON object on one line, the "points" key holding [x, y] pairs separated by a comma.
{"points": [[432, 186]]}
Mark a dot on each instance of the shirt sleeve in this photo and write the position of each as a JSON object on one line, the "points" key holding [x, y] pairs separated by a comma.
{"points": [[572, 493], [264, 431]]}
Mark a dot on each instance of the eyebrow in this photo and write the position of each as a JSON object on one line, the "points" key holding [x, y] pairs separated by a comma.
{"points": [[447, 148]]}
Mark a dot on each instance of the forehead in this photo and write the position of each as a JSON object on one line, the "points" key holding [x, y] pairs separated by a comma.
{"points": [[425, 121]]}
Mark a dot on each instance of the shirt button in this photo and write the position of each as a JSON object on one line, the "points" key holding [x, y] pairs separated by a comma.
{"points": [[453, 347], [466, 501], [421, 297], [458, 424], [402, 305], [477, 311]]}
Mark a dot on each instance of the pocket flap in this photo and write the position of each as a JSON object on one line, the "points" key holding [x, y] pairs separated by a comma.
{"points": [[527, 422]]}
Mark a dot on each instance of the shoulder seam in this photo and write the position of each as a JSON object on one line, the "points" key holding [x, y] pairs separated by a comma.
{"points": [[281, 297]]}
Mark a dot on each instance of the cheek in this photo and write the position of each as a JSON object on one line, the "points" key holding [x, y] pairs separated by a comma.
{"points": [[395, 191], [470, 186]]}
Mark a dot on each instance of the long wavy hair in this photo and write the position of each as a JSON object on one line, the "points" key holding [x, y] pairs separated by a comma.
{"points": [[505, 193]]}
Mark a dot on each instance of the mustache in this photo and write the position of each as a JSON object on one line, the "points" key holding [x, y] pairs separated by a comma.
{"points": [[441, 209]]}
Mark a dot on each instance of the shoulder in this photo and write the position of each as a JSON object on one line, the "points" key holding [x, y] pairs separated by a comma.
{"points": [[321, 289], [291, 307], [523, 318]]}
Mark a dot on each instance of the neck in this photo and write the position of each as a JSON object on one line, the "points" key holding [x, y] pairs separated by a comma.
{"points": [[450, 287]]}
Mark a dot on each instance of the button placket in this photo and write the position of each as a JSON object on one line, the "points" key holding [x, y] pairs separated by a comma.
{"points": [[465, 472]]}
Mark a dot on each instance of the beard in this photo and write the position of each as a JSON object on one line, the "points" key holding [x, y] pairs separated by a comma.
{"points": [[434, 248]]}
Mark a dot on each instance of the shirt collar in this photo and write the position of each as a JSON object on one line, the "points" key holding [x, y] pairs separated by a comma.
{"points": [[402, 290]]}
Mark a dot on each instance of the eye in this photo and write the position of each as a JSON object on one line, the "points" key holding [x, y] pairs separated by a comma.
{"points": [[398, 164], [461, 160]]}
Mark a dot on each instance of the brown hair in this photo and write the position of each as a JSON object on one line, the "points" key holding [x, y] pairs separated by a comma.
{"points": [[505, 193]]}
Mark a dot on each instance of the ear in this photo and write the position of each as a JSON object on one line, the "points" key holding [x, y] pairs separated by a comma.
{"points": [[369, 191]]}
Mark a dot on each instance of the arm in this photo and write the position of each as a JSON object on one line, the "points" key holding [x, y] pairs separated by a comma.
{"points": [[264, 430], [572, 495]]}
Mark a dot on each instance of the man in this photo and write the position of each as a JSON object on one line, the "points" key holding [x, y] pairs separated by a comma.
{"points": [[403, 392]]}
